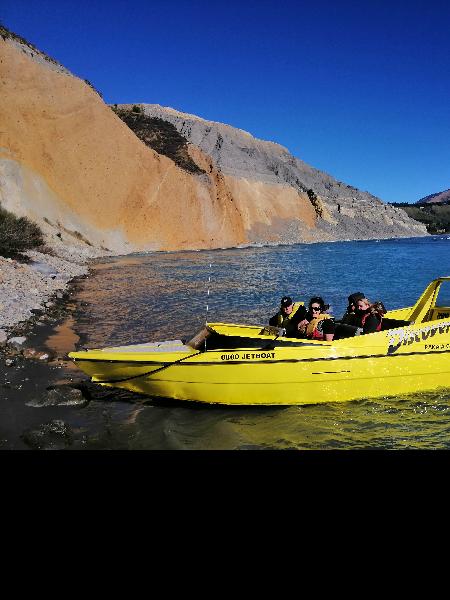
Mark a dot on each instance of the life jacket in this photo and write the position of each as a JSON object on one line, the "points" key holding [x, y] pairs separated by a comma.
{"points": [[282, 318], [313, 329], [377, 314]]}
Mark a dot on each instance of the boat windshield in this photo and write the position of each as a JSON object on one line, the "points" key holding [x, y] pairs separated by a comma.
{"points": [[198, 342], [211, 340]]}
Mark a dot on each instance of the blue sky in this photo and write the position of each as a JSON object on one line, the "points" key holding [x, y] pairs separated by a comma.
{"points": [[358, 89]]}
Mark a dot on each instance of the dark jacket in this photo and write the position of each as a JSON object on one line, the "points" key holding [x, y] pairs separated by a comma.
{"points": [[371, 322], [291, 325], [349, 318]]}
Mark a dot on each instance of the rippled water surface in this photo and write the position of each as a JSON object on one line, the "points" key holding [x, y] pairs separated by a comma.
{"points": [[162, 296]]}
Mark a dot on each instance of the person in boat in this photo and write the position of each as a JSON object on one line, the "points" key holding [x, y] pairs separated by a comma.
{"points": [[288, 316], [350, 316], [317, 324], [369, 316]]}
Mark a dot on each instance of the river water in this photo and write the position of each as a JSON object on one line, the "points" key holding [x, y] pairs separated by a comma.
{"points": [[162, 296]]}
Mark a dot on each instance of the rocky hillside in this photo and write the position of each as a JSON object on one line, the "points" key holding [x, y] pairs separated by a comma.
{"points": [[438, 197], [281, 198], [149, 178]]}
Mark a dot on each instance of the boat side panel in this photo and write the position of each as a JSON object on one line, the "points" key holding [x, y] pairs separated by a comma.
{"points": [[101, 371], [299, 383]]}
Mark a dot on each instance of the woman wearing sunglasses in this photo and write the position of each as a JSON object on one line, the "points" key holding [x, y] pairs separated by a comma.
{"points": [[317, 325]]}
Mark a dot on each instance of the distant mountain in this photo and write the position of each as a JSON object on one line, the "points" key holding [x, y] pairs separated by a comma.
{"points": [[433, 198], [433, 211]]}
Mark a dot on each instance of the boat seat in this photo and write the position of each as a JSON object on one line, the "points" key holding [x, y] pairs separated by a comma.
{"points": [[388, 323]]}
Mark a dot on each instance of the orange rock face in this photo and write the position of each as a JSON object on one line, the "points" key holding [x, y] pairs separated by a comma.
{"points": [[92, 175], [67, 160]]}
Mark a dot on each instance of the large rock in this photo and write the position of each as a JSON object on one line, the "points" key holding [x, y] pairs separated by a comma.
{"points": [[54, 435], [63, 395], [3, 338], [17, 343], [47, 115]]}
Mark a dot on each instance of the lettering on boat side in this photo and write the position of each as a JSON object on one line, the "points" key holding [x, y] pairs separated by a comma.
{"points": [[405, 336], [437, 346], [247, 356]]}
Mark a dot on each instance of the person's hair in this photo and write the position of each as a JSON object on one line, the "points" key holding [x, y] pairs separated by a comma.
{"points": [[366, 300], [375, 307], [353, 299], [320, 302], [379, 307]]}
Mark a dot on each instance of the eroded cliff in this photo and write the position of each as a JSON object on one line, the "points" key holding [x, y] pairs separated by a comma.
{"points": [[282, 197], [69, 163], [152, 178]]}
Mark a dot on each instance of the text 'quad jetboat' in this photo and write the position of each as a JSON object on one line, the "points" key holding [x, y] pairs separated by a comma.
{"points": [[255, 365]]}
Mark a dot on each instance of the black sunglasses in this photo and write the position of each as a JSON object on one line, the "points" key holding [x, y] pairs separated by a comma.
{"points": [[316, 308]]}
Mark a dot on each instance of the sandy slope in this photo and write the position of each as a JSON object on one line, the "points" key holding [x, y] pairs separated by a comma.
{"points": [[65, 156]]}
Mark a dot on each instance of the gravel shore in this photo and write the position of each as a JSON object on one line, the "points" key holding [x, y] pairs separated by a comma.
{"points": [[29, 286], [39, 387]]}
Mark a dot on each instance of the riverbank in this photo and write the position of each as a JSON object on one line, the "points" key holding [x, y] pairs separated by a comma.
{"points": [[46, 402], [36, 310], [31, 282]]}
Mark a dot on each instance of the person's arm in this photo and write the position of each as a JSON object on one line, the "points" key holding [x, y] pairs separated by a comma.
{"points": [[274, 320], [300, 316], [328, 328], [349, 318], [301, 326]]}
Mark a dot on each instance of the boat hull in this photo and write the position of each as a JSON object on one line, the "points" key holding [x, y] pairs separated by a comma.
{"points": [[299, 384], [282, 376]]}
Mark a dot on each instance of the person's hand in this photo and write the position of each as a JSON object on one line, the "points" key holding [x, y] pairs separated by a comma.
{"points": [[302, 325]]}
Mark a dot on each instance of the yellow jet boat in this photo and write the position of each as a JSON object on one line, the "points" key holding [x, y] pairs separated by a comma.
{"points": [[256, 365]]}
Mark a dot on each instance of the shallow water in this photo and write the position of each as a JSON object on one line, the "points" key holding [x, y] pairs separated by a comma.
{"points": [[163, 296]]}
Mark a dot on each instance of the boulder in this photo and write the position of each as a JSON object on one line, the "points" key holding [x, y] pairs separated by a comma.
{"points": [[62, 395], [17, 343], [54, 435]]}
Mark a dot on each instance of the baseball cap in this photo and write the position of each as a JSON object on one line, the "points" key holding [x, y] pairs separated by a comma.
{"points": [[286, 301]]}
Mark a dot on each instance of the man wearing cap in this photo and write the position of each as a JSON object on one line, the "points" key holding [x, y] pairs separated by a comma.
{"points": [[289, 315]]}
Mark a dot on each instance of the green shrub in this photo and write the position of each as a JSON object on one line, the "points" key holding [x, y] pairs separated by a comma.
{"points": [[136, 108], [17, 234]]}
